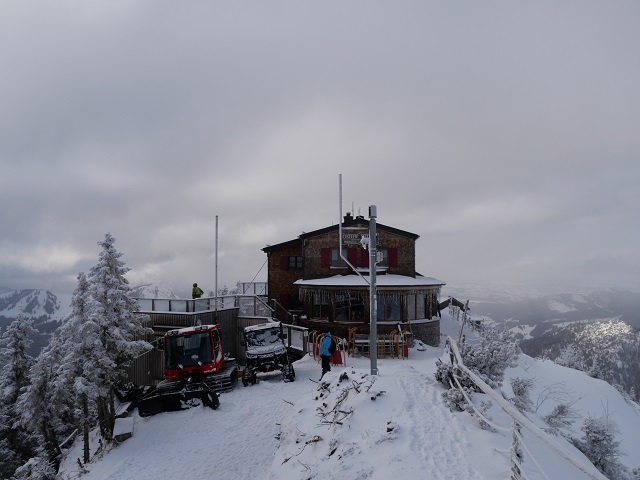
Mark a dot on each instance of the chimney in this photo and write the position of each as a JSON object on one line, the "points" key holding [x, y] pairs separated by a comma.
{"points": [[348, 217]]}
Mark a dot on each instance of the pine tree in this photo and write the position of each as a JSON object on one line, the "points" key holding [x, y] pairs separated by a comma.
{"points": [[117, 328], [16, 445], [36, 468], [46, 407], [491, 357], [80, 335], [601, 447]]}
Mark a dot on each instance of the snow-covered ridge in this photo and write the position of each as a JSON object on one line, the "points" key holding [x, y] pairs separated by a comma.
{"points": [[154, 290], [394, 426], [40, 305]]}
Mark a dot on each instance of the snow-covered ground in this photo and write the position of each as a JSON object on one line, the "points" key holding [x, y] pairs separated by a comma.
{"points": [[393, 425]]}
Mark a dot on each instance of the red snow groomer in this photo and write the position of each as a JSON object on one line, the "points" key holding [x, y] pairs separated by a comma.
{"points": [[195, 369]]}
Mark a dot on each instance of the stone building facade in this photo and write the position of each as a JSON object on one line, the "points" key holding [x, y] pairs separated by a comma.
{"points": [[309, 279]]}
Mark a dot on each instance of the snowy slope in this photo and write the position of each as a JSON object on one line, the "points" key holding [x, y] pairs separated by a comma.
{"points": [[268, 431], [34, 303], [154, 290]]}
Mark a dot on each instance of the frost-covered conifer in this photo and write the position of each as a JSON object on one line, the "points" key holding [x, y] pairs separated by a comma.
{"points": [[521, 388], [116, 330], [45, 408], [37, 468], [570, 357], [16, 445], [601, 447], [81, 335], [491, 358], [16, 362]]}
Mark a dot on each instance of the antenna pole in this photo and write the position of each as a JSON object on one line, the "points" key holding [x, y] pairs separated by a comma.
{"points": [[215, 295], [373, 297]]}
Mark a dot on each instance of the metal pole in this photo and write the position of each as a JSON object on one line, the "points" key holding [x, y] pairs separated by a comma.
{"points": [[215, 295], [340, 216], [373, 297]]}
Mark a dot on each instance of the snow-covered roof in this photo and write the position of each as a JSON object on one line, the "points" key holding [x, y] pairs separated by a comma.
{"points": [[387, 280], [262, 326]]}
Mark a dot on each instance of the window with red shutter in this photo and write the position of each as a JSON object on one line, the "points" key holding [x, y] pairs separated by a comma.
{"points": [[393, 257], [352, 256], [325, 257], [284, 262]]}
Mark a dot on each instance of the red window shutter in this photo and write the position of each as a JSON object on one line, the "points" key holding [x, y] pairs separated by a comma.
{"points": [[393, 257], [364, 257], [284, 300], [284, 262], [325, 258], [352, 256]]}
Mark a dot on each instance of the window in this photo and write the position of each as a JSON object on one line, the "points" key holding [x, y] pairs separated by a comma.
{"points": [[296, 263], [321, 306], [420, 304], [415, 307], [389, 257], [336, 261], [411, 307], [388, 308], [349, 307]]}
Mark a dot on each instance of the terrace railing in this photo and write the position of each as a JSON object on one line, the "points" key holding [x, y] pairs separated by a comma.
{"points": [[248, 305]]}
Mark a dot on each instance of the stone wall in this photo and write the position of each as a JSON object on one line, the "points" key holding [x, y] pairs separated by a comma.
{"points": [[428, 331]]}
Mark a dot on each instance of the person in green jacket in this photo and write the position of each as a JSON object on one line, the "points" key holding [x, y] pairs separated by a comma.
{"points": [[197, 291]]}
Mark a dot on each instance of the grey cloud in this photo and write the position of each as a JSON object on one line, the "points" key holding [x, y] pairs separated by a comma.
{"points": [[503, 134]]}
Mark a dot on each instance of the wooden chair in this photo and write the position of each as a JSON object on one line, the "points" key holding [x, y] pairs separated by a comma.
{"points": [[394, 347], [311, 344], [382, 345], [404, 345], [338, 357], [351, 341]]}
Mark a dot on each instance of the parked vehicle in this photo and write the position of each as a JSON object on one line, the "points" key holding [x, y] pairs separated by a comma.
{"points": [[195, 368], [266, 352]]}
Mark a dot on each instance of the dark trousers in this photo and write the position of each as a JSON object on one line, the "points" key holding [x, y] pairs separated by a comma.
{"points": [[326, 363]]}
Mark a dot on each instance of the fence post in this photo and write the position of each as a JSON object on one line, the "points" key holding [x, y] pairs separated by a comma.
{"points": [[516, 453]]}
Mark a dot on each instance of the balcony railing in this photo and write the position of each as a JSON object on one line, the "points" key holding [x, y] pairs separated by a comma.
{"points": [[248, 305]]}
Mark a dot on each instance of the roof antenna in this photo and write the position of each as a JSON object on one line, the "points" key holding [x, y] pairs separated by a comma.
{"points": [[340, 231]]}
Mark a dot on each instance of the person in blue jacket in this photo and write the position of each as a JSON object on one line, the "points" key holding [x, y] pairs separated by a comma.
{"points": [[325, 355]]}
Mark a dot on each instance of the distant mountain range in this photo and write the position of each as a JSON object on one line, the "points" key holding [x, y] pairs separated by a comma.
{"points": [[48, 309], [598, 333], [533, 316], [154, 290], [45, 308]]}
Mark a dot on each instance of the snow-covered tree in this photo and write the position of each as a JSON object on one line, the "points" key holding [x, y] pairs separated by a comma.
{"points": [[16, 444], [80, 334], [36, 468], [601, 447], [562, 416], [45, 407], [521, 388], [491, 357], [16, 362], [570, 357], [115, 331]]}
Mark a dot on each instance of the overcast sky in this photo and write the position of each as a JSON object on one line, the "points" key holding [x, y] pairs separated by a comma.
{"points": [[505, 134]]}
